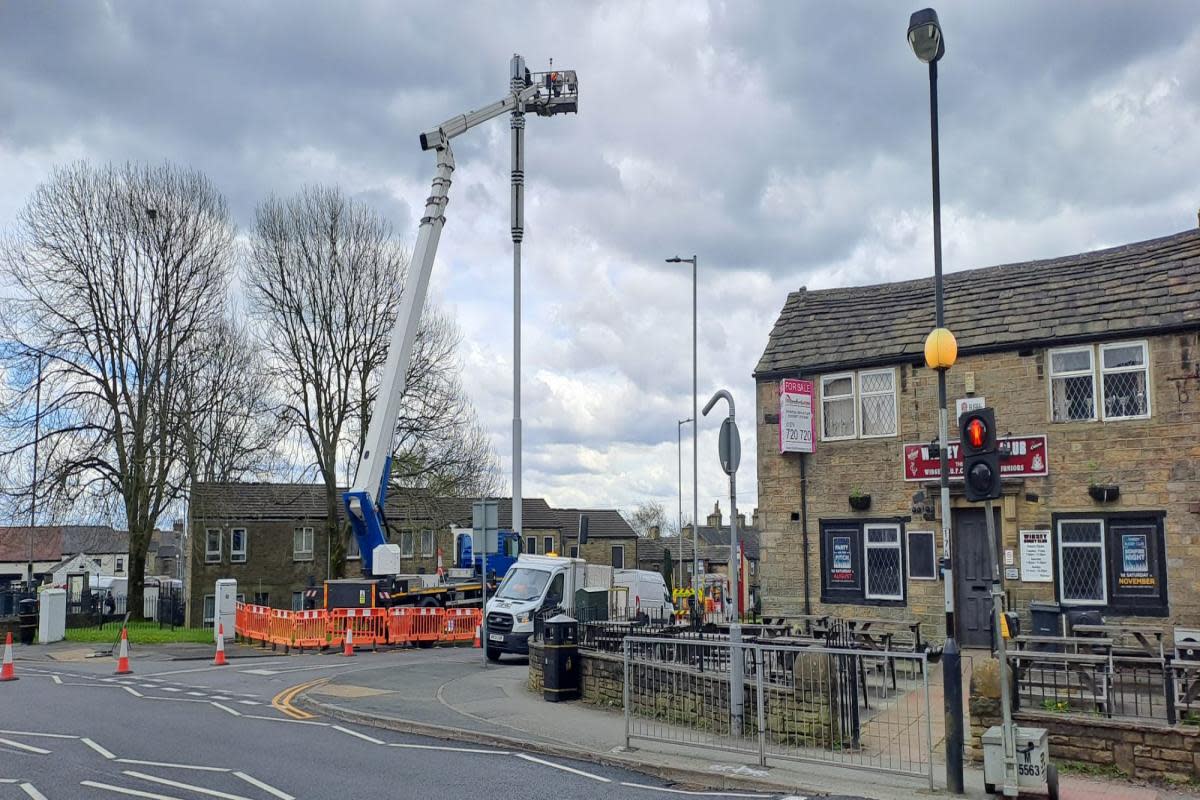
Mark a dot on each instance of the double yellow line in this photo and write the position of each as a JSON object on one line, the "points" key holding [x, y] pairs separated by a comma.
{"points": [[283, 701]]}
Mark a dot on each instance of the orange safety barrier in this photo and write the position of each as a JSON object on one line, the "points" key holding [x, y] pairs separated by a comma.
{"points": [[240, 618], [370, 626], [280, 628], [425, 624], [310, 628], [255, 623], [460, 624], [399, 630]]}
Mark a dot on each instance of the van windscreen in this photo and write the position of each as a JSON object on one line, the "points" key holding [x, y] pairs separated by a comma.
{"points": [[522, 583]]}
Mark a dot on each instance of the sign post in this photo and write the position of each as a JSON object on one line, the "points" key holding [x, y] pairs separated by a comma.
{"points": [[485, 526]]}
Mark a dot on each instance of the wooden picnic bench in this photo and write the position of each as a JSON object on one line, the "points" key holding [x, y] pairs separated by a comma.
{"points": [[1149, 640], [1082, 662]]}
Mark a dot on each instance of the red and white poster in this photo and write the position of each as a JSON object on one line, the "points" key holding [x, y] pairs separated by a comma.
{"points": [[795, 416], [1026, 459]]}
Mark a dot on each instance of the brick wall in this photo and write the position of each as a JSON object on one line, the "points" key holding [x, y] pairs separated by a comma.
{"points": [[599, 551], [1156, 463], [1138, 750]]}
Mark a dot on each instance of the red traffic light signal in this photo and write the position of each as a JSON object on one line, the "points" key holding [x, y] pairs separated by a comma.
{"points": [[981, 458], [975, 433]]}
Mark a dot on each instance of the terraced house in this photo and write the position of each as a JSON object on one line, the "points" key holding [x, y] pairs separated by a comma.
{"points": [[272, 538], [1092, 364]]}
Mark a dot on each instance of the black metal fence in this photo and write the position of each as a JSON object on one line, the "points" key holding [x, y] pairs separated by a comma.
{"points": [[10, 598]]}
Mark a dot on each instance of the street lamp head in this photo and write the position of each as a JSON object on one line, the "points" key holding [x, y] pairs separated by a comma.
{"points": [[925, 35], [678, 260]]}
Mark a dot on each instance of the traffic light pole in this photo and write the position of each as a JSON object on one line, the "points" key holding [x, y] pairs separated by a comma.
{"points": [[1008, 733]]}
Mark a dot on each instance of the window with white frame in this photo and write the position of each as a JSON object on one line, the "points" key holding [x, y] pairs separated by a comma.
{"points": [[858, 405], [427, 543], [210, 608], [297, 601], [574, 551], [618, 556], [884, 562], [1124, 380], [837, 407], [212, 545], [237, 545], [120, 564], [406, 544], [547, 545], [531, 545], [922, 556], [353, 551], [1122, 390], [877, 402], [302, 544], [1081, 569]]}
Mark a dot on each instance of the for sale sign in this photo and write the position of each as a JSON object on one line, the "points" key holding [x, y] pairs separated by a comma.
{"points": [[795, 416], [1026, 459]]}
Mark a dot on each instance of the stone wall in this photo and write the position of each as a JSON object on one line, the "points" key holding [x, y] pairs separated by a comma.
{"points": [[535, 667], [1156, 463], [1139, 750]]}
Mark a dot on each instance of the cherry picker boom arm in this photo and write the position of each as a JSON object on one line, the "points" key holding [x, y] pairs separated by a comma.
{"points": [[364, 501]]}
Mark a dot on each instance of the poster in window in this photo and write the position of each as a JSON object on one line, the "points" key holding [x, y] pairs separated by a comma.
{"points": [[1135, 573], [1134, 559], [843, 565], [1035, 557]]}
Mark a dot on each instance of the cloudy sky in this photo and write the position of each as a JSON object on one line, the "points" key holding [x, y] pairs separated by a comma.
{"points": [[785, 143]]}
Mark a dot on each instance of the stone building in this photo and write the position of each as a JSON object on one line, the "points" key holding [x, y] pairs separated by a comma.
{"points": [[713, 538], [1092, 364], [272, 538]]}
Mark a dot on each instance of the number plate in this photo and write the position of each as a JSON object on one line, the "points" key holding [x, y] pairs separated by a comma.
{"points": [[496, 637]]}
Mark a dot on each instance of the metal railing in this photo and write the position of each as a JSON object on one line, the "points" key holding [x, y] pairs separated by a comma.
{"points": [[843, 706]]}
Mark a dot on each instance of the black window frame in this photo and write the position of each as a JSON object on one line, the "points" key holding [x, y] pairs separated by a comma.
{"points": [[855, 591], [1121, 602], [908, 540]]}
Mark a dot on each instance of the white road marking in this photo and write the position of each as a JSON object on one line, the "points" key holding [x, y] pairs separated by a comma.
{"points": [[56, 679], [170, 765], [362, 736], [189, 786], [286, 719], [450, 749], [178, 699], [250, 702], [699, 794], [259, 671], [266, 787], [97, 748], [32, 792], [44, 735], [130, 792], [133, 691], [8, 780], [219, 697], [564, 768], [227, 709], [27, 747], [195, 694]]}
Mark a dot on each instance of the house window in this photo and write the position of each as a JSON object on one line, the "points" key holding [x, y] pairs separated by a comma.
{"points": [[210, 609], [406, 544], [618, 556], [547, 544], [120, 564], [531, 545], [877, 402], [837, 407], [884, 563], [922, 556], [262, 598], [1115, 561], [1124, 372], [297, 601], [427, 543], [212, 545], [1124, 378], [862, 563], [237, 545], [353, 552], [302, 544], [574, 551]]}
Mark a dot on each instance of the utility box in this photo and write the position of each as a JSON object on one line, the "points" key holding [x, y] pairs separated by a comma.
{"points": [[560, 659], [225, 608], [52, 616], [591, 604], [386, 560], [1033, 761]]}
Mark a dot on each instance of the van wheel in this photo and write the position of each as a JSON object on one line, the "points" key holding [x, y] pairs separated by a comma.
{"points": [[493, 654]]}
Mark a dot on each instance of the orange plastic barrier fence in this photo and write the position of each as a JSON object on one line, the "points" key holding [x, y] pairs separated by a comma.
{"points": [[425, 624], [398, 625], [240, 618], [254, 623], [460, 624], [369, 625], [280, 628], [311, 628]]}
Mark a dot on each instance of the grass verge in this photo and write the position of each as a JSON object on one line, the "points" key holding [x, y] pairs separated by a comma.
{"points": [[140, 633]]}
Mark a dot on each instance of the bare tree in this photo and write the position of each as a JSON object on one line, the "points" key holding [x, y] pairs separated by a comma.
{"points": [[649, 514], [325, 278], [116, 272]]}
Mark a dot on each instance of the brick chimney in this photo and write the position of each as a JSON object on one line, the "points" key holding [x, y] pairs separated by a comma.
{"points": [[714, 519], [754, 519], [655, 532], [741, 521]]}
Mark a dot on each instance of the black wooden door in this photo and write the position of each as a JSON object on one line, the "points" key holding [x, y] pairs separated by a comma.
{"points": [[972, 578]]}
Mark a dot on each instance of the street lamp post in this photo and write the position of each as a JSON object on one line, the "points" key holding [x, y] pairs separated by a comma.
{"points": [[925, 38], [695, 432], [679, 452]]}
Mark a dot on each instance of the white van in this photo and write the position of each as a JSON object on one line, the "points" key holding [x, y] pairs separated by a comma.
{"points": [[533, 584], [647, 593]]}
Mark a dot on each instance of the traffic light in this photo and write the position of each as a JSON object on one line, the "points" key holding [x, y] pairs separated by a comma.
{"points": [[980, 455]]}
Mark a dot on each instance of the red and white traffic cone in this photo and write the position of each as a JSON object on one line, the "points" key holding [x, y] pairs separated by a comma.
{"points": [[348, 649], [220, 661], [123, 655], [6, 671], [477, 643]]}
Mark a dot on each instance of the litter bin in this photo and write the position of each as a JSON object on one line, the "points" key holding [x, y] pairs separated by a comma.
{"points": [[560, 659], [27, 618], [1046, 620]]}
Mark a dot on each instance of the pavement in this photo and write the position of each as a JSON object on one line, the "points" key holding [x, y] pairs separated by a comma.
{"points": [[450, 694], [179, 729]]}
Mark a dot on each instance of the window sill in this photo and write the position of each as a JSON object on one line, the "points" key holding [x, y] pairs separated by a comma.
{"points": [[302, 558], [208, 560]]}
